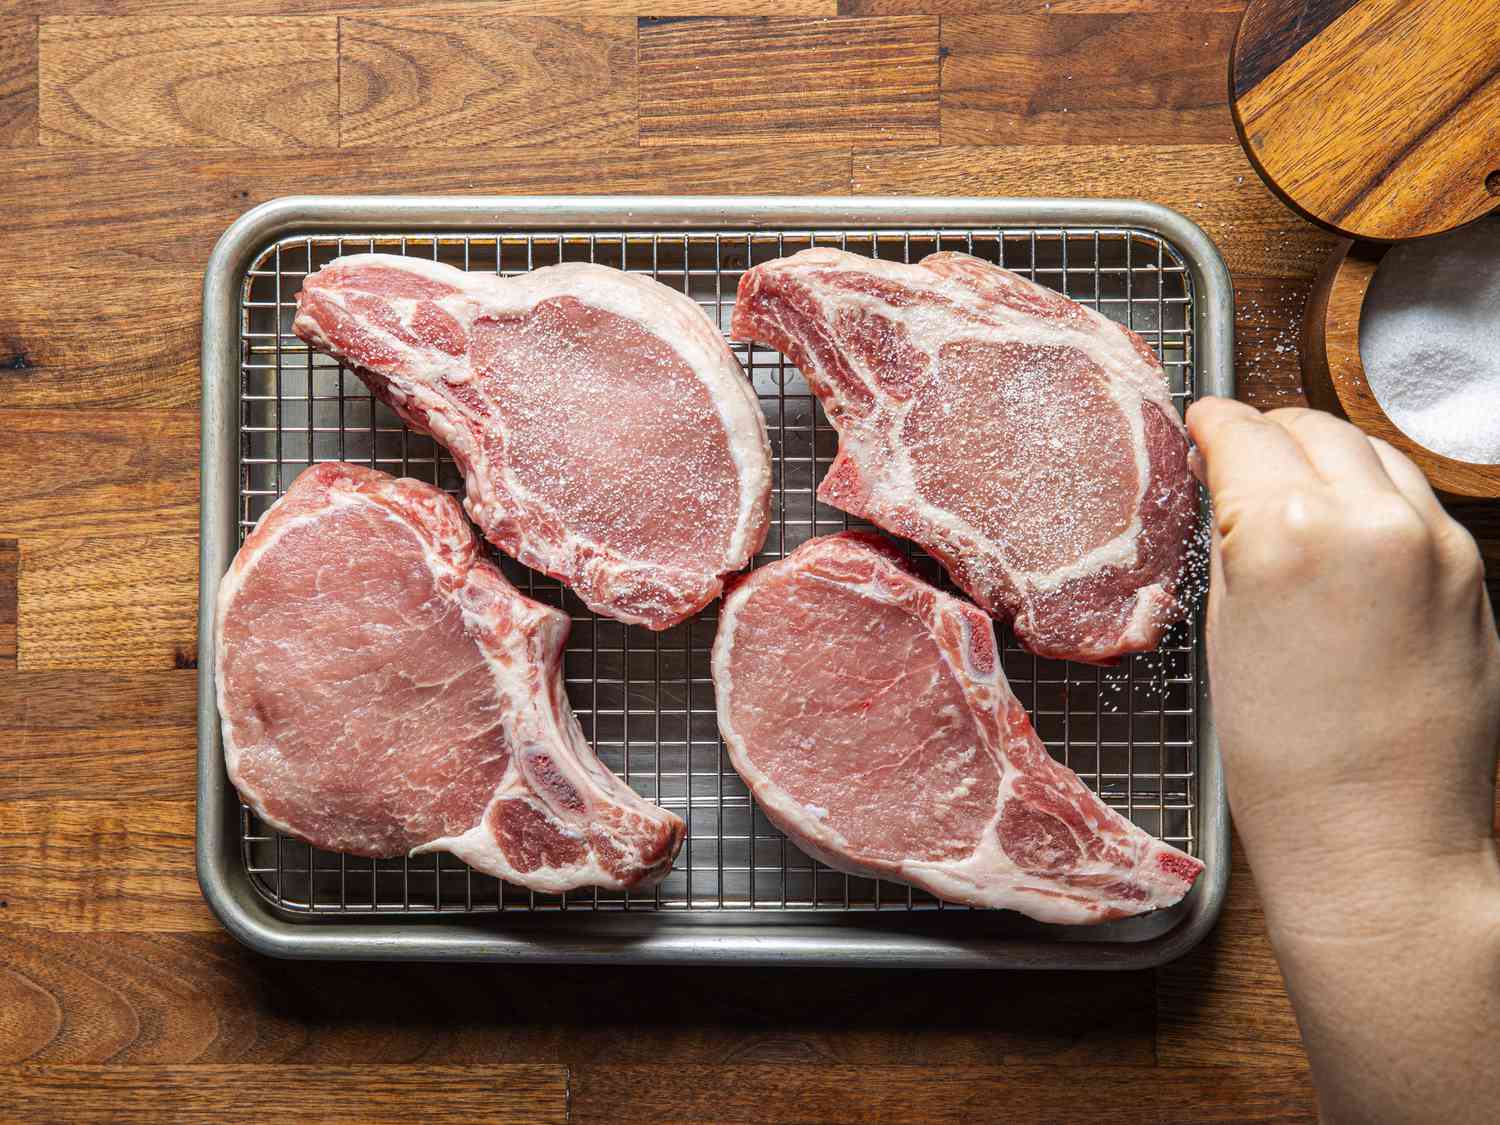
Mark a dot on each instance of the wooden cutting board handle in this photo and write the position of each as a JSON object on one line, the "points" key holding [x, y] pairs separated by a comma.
{"points": [[1374, 118]]}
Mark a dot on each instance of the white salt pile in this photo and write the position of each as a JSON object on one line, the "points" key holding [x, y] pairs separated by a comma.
{"points": [[1429, 336]]}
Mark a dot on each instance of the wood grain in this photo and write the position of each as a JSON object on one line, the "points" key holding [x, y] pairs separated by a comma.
{"points": [[122, 602], [511, 1095], [137, 274], [1379, 119], [125, 734], [491, 79], [818, 82], [961, 1095], [1271, 33], [10, 575], [458, 10], [1267, 321], [184, 80], [100, 865], [1028, 7], [1054, 79], [71, 472], [17, 81], [1224, 1003], [1211, 184], [143, 998]]}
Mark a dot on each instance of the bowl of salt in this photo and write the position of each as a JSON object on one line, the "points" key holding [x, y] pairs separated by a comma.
{"points": [[1404, 341]]}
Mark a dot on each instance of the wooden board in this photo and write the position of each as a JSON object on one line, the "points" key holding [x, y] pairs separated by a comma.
{"points": [[843, 81], [1038, 79], [67, 474], [10, 575], [109, 603], [200, 998], [245, 80], [746, 1095], [460, 9], [407, 81], [293, 1095], [18, 78], [131, 735], [120, 995], [1377, 118]]}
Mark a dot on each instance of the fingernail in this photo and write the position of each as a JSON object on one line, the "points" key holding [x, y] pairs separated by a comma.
{"points": [[1196, 466]]}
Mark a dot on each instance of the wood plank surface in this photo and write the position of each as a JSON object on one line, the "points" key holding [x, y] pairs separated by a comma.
{"points": [[159, 241], [254, 81], [295, 1095], [10, 575], [495, 80], [126, 734], [102, 473], [18, 78], [864, 81], [158, 998], [1051, 78], [458, 10], [117, 603], [1213, 185], [100, 865], [121, 997], [1040, 7], [961, 1095]]}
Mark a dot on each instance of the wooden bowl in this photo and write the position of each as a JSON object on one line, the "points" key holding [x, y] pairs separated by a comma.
{"points": [[1335, 379]]}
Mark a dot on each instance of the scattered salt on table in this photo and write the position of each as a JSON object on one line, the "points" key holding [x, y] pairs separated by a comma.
{"points": [[1429, 337]]}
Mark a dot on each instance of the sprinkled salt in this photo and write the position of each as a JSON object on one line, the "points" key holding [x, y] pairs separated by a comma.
{"points": [[1429, 337]]}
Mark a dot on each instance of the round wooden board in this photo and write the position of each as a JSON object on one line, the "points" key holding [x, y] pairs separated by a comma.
{"points": [[1377, 119], [1334, 374]]}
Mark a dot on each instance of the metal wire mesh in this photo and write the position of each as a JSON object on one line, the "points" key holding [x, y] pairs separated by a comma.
{"points": [[646, 699]]}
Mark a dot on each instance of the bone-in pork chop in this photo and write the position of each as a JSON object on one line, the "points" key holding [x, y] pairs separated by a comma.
{"points": [[1027, 442], [606, 433], [383, 690], [868, 713]]}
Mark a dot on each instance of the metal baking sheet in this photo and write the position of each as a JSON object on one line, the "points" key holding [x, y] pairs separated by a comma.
{"points": [[1141, 734]]}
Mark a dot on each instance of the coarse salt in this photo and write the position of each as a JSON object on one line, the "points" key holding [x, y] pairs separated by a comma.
{"points": [[1429, 338]]}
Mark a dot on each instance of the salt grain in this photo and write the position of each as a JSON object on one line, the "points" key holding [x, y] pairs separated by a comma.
{"points": [[1429, 337]]}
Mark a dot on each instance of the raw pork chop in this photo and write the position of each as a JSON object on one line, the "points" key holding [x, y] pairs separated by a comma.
{"points": [[383, 690], [868, 713], [605, 431], [1026, 441]]}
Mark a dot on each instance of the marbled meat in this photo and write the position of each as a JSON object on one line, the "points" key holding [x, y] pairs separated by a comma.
{"points": [[1026, 441], [606, 433], [869, 715], [384, 691]]}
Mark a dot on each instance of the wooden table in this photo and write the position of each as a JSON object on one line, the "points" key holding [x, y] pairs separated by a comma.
{"points": [[130, 140]]}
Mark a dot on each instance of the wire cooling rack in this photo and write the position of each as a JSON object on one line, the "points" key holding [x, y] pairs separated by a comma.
{"points": [[646, 699]]}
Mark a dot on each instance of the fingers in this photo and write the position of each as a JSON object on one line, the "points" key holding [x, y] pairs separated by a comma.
{"points": [[1316, 446], [1339, 453], [1241, 450], [1458, 549], [1410, 482], [1244, 456]]}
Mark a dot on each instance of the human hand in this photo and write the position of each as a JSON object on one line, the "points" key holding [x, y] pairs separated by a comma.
{"points": [[1355, 673], [1352, 650]]}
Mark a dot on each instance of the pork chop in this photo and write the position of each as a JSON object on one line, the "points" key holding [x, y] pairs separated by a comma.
{"points": [[383, 690], [1027, 442], [868, 714], [606, 433]]}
